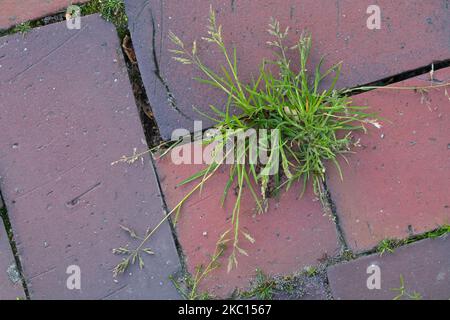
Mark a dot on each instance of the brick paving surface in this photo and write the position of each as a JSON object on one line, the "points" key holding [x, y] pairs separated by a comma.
{"points": [[412, 35], [397, 183], [10, 283], [13, 12], [66, 112], [294, 233], [424, 266]]}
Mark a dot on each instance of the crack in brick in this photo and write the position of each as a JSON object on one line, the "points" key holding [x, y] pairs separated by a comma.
{"points": [[114, 292], [170, 96], [339, 229], [4, 218], [51, 269], [72, 203]]}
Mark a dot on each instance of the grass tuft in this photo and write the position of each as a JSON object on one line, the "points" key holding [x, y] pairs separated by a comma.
{"points": [[191, 290], [111, 10], [389, 245], [22, 28], [403, 293], [308, 126], [263, 287], [311, 271]]}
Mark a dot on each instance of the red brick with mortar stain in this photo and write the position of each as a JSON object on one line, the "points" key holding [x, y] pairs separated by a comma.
{"points": [[67, 112], [424, 267], [413, 34], [294, 233], [13, 12], [398, 183]]}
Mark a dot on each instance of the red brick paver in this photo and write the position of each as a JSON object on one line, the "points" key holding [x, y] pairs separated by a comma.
{"points": [[398, 183], [293, 233], [424, 266], [13, 12], [66, 112], [10, 282], [412, 35]]}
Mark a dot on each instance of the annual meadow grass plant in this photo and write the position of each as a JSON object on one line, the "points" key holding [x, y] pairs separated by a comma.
{"points": [[313, 125]]}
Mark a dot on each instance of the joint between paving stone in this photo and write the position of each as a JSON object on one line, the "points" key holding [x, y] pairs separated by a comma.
{"points": [[181, 255], [331, 207], [4, 219], [433, 66], [139, 81], [171, 99], [163, 201]]}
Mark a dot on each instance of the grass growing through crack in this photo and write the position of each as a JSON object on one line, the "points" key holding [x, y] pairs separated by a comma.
{"points": [[308, 119], [308, 126], [439, 232], [389, 245], [190, 291], [263, 287], [403, 293], [110, 10], [22, 28], [311, 271]]}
